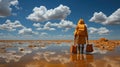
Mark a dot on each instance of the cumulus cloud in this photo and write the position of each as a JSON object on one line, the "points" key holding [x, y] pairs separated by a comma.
{"points": [[65, 30], [100, 17], [62, 24], [65, 24], [100, 31], [103, 30], [27, 31], [92, 30], [47, 26], [44, 33], [114, 18], [11, 26], [5, 9], [36, 25], [42, 14]]}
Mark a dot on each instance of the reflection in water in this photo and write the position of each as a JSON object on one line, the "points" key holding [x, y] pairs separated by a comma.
{"points": [[99, 51], [51, 57], [10, 56], [44, 54], [107, 62], [82, 60]]}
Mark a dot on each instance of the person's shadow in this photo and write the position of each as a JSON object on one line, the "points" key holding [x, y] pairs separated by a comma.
{"points": [[82, 60]]}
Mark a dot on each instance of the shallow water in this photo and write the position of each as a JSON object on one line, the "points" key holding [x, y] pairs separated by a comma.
{"points": [[54, 55]]}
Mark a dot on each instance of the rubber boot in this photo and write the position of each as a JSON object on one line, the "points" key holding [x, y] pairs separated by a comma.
{"points": [[79, 49], [82, 49]]}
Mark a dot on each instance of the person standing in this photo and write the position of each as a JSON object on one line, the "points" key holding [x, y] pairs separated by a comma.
{"points": [[81, 35]]}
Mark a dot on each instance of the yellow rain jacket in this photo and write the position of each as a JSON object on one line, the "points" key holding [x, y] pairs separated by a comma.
{"points": [[80, 32]]}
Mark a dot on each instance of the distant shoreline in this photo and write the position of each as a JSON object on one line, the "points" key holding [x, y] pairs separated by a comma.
{"points": [[36, 40], [45, 40]]}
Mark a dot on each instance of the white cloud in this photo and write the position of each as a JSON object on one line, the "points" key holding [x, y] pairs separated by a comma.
{"points": [[100, 17], [36, 24], [62, 24], [100, 31], [44, 33], [114, 18], [47, 26], [92, 30], [5, 9], [66, 29], [11, 26], [13, 2], [66, 24], [27, 31], [39, 36], [42, 14], [103, 30]]}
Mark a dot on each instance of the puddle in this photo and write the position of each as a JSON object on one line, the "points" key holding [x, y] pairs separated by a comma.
{"points": [[42, 54]]}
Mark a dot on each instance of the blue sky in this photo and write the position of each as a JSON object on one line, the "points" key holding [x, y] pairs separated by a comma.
{"points": [[56, 19]]}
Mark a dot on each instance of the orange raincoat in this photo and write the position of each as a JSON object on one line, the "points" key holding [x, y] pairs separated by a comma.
{"points": [[81, 38]]}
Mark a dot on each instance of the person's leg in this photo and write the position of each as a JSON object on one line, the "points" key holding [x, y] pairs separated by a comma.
{"points": [[82, 48], [79, 48]]}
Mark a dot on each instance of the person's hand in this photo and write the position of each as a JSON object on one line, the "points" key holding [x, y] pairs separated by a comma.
{"points": [[74, 40]]}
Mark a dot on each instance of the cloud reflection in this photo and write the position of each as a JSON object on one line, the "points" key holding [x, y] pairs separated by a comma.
{"points": [[46, 54], [106, 62], [50, 56], [97, 50], [10, 56]]}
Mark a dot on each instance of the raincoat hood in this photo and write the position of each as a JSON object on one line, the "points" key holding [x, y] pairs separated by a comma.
{"points": [[81, 21]]}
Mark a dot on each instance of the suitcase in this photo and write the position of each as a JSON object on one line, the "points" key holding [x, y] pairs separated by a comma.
{"points": [[73, 49], [89, 48]]}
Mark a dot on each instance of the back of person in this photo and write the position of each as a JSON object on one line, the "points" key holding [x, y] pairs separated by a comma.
{"points": [[80, 35], [81, 30]]}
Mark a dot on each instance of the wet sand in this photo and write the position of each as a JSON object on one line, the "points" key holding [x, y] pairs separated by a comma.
{"points": [[56, 53]]}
